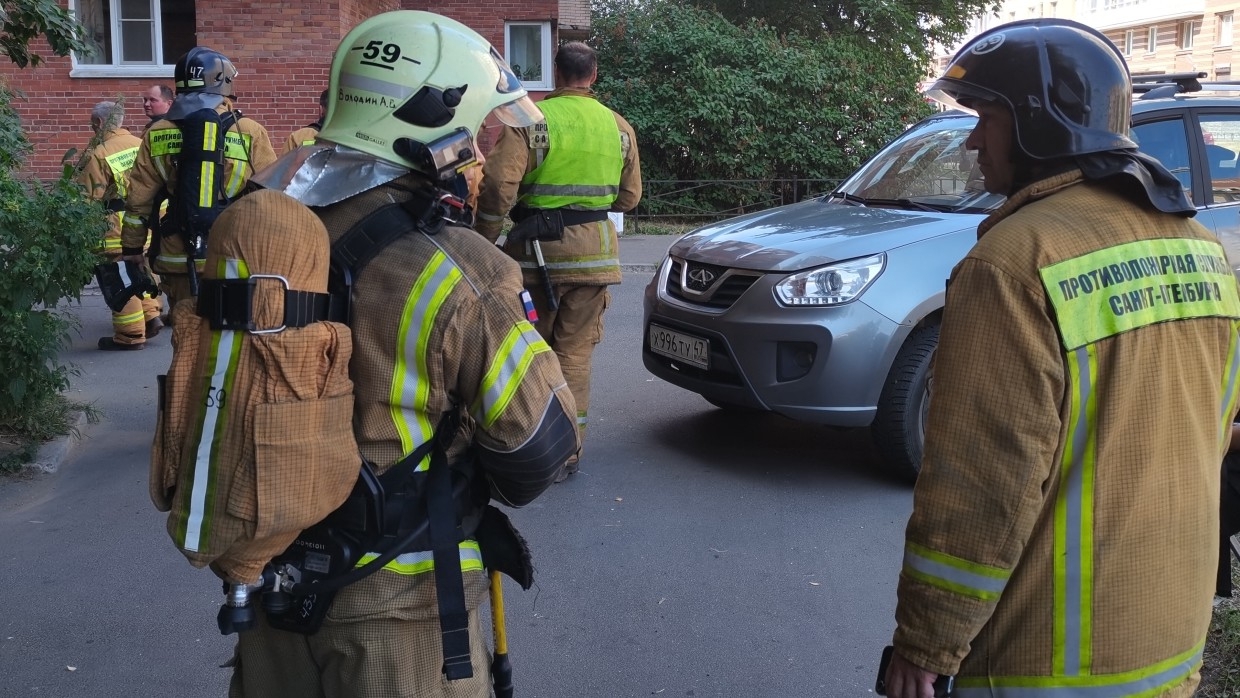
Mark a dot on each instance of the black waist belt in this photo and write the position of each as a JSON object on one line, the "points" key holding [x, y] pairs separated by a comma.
{"points": [[228, 304], [569, 216]]}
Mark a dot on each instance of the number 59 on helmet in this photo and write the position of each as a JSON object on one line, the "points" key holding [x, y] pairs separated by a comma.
{"points": [[413, 88]]}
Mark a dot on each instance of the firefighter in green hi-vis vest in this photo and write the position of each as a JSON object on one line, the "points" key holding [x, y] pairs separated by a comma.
{"points": [[571, 169], [105, 176]]}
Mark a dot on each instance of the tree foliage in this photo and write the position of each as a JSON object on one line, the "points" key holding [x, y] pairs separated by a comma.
{"points": [[23, 21], [48, 234], [710, 99], [905, 30]]}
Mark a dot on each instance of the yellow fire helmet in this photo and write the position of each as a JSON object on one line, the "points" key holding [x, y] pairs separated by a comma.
{"points": [[412, 88]]}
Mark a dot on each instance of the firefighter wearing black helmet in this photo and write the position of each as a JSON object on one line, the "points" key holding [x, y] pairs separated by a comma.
{"points": [[203, 80], [1064, 532]]}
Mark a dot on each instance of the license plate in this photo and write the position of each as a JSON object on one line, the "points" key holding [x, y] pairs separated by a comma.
{"points": [[678, 345]]}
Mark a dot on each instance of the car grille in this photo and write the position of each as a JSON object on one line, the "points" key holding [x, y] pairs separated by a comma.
{"points": [[728, 284]]}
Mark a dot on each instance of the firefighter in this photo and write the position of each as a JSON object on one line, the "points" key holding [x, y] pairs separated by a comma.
{"points": [[204, 80], [580, 162], [1064, 534], [440, 327], [306, 134], [105, 176]]}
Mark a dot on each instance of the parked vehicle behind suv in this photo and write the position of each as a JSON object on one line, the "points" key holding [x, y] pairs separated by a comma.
{"points": [[828, 310]]}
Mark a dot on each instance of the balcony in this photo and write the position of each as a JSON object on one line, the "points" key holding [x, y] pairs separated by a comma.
{"points": [[1118, 14]]}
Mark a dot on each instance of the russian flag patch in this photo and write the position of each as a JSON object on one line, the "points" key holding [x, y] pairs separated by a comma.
{"points": [[528, 304]]}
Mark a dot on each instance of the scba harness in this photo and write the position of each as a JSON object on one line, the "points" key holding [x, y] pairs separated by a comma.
{"points": [[406, 509], [199, 197]]}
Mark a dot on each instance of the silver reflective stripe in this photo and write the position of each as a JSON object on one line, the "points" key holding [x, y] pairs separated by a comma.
{"points": [[500, 387], [587, 264], [383, 87], [1076, 541], [992, 586], [212, 411], [1097, 686], [488, 217], [434, 284], [568, 190]]}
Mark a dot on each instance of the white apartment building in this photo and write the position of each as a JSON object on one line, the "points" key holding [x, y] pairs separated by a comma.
{"points": [[1155, 36]]}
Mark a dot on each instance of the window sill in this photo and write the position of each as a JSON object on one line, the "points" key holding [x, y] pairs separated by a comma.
{"points": [[121, 71]]}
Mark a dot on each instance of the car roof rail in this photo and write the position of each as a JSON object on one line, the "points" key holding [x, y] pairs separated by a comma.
{"points": [[1166, 84]]}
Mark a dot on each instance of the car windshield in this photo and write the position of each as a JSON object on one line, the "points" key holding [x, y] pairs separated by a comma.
{"points": [[926, 168]]}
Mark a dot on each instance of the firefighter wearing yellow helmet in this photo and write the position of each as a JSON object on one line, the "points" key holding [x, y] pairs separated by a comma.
{"points": [[440, 323]]}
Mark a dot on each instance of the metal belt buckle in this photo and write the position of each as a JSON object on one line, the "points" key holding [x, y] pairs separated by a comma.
{"points": [[284, 282]]}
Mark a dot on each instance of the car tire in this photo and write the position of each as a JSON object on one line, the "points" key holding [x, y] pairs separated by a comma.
{"points": [[899, 426]]}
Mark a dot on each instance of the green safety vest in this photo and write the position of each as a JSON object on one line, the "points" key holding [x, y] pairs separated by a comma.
{"points": [[583, 165]]}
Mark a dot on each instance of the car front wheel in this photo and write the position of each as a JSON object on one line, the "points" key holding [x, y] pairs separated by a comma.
{"points": [[899, 427]]}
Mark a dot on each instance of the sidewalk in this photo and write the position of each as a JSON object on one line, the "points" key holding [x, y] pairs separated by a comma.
{"points": [[644, 253]]}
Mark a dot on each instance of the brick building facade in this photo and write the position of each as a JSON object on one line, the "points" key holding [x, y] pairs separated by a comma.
{"points": [[282, 50]]}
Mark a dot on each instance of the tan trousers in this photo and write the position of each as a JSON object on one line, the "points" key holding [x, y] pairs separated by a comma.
{"points": [[176, 287], [129, 325], [573, 330], [374, 658]]}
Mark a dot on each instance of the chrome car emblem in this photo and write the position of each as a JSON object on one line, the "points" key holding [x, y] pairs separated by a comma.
{"points": [[701, 278]]}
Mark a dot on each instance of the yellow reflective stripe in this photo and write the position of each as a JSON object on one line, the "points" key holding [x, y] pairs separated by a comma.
{"points": [[223, 355], [954, 574], [206, 183], [1152, 680], [111, 244], [593, 263], [119, 320], [410, 391], [1121, 288], [1074, 522], [165, 141], [237, 149], [508, 368], [1229, 388], [424, 560], [178, 259]]}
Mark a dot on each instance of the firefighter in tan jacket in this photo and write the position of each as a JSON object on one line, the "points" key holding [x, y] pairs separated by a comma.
{"points": [[440, 326], [582, 162], [1064, 533], [204, 80], [105, 175]]}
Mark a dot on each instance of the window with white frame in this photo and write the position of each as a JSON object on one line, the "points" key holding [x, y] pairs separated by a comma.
{"points": [[134, 37], [1188, 30], [1223, 28], [527, 47], [1128, 42], [1151, 40]]}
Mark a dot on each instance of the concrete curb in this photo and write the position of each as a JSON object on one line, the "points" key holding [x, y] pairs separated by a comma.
{"points": [[54, 452]]}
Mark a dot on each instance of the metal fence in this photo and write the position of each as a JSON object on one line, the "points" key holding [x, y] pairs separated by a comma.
{"points": [[699, 201]]}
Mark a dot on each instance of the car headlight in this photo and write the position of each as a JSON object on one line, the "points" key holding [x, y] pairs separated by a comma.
{"points": [[831, 285]]}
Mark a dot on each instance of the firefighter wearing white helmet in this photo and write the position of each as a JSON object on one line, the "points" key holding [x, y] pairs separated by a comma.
{"points": [[441, 327]]}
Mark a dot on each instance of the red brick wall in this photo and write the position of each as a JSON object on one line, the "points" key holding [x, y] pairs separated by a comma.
{"points": [[282, 50]]}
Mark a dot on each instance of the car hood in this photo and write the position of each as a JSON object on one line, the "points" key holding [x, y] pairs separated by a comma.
{"points": [[813, 233]]}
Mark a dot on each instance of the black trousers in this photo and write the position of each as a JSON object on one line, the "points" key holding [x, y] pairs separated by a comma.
{"points": [[1229, 520]]}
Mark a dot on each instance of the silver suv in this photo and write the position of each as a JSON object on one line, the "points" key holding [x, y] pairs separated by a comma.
{"points": [[828, 310]]}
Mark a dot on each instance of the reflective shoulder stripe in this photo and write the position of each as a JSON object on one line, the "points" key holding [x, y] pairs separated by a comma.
{"points": [[507, 370], [1153, 680], [954, 574], [1121, 288], [410, 390], [424, 560]]}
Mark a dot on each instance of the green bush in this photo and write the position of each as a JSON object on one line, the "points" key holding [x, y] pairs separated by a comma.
{"points": [[711, 100], [48, 234]]}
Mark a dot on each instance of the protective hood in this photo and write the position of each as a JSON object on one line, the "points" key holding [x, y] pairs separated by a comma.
{"points": [[190, 102], [325, 173], [1154, 183]]}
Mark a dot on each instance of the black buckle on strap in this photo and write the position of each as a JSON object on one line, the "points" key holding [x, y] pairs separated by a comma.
{"points": [[228, 304]]}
